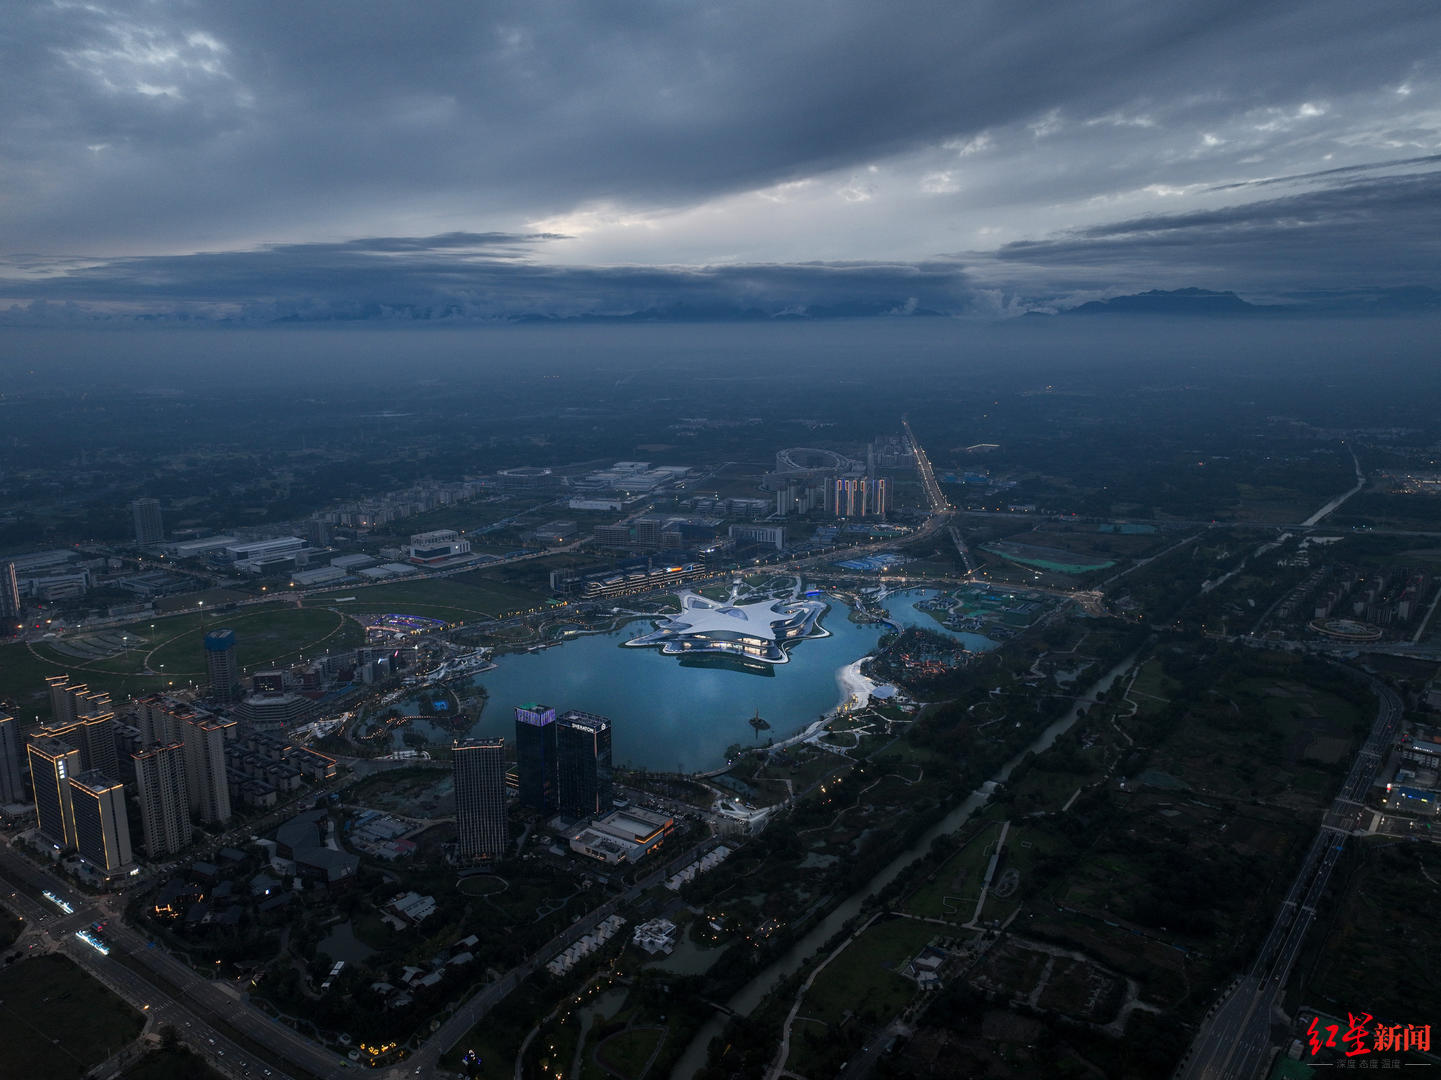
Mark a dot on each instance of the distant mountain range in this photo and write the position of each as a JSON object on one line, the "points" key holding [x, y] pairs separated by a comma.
{"points": [[1172, 302], [1208, 303]]}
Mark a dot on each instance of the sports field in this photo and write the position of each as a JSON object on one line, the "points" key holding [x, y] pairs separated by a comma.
{"points": [[146, 656], [459, 599]]}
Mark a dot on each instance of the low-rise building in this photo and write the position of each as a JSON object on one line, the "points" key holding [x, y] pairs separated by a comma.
{"points": [[623, 836]]}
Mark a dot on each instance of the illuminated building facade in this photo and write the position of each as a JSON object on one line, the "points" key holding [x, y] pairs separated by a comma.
{"points": [[84, 719], [481, 828], [535, 755], [860, 496], [102, 831], [52, 763], [583, 764], [624, 836], [758, 633]]}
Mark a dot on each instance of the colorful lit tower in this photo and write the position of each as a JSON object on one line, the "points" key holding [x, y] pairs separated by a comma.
{"points": [[536, 756]]}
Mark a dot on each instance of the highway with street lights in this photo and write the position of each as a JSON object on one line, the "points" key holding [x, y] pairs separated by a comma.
{"points": [[1235, 1041]]}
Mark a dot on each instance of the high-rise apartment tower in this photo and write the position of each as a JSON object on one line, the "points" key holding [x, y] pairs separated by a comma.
{"points": [[164, 800], [52, 763], [149, 528], [480, 822], [102, 831]]}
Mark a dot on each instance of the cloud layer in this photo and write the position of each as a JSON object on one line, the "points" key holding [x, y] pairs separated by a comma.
{"points": [[754, 149]]}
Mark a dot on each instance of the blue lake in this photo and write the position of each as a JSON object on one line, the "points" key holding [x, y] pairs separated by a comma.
{"points": [[665, 716]]}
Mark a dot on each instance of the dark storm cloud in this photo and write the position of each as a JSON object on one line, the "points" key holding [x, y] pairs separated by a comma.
{"points": [[468, 276], [140, 124], [1382, 231]]}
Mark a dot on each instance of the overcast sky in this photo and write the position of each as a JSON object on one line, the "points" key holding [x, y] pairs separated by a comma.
{"points": [[480, 159]]}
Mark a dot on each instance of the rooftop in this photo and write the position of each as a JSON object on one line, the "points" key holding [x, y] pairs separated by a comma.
{"points": [[756, 631]]}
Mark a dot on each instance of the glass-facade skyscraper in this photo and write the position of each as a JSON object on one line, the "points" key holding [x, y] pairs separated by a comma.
{"points": [[583, 758], [535, 756]]}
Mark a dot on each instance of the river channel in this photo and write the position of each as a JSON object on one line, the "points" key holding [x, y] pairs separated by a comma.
{"points": [[666, 716]]}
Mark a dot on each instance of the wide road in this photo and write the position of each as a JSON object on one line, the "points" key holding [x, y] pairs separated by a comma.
{"points": [[1235, 1041], [200, 1009]]}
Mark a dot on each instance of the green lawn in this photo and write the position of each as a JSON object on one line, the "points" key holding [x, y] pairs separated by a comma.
{"points": [[22, 679], [627, 1052], [56, 1022], [863, 978], [959, 878], [463, 598], [264, 635]]}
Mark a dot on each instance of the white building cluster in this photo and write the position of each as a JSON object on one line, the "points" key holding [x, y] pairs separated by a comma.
{"points": [[709, 861], [655, 936], [588, 944]]}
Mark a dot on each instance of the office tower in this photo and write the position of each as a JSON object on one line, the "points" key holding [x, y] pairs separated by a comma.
{"points": [[52, 763], [220, 660], [164, 799], [583, 754], [9, 596], [12, 781], [535, 756], [148, 527], [204, 739], [480, 822], [102, 831]]}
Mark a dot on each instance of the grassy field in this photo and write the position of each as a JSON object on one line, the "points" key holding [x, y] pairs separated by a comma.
{"points": [[1382, 943], [463, 598], [22, 680], [44, 1001], [958, 878], [627, 1052], [173, 650], [263, 637], [177, 1064], [864, 975]]}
